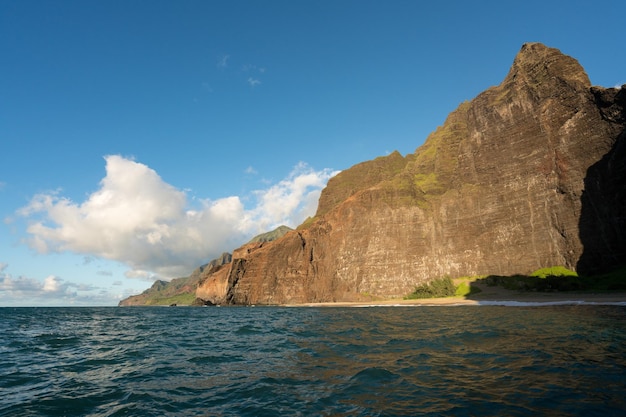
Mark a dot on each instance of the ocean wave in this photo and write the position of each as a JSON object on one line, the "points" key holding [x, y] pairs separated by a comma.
{"points": [[280, 361]]}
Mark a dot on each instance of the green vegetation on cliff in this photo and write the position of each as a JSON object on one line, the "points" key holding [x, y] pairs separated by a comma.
{"points": [[358, 178], [559, 278], [441, 287], [550, 279], [465, 289], [306, 223], [553, 271], [184, 299], [275, 234]]}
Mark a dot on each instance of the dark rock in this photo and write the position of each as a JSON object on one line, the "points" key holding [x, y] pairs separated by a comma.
{"points": [[199, 302]]}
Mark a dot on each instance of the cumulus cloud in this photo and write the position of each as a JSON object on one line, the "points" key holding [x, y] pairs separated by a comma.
{"points": [[138, 219], [19, 286], [51, 284], [253, 81], [290, 201]]}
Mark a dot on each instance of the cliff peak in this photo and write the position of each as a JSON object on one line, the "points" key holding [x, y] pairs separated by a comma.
{"points": [[539, 65]]}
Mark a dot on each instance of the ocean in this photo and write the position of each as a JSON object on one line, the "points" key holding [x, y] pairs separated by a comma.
{"points": [[278, 361]]}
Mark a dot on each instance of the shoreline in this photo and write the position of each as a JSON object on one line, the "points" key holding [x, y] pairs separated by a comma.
{"points": [[504, 298]]}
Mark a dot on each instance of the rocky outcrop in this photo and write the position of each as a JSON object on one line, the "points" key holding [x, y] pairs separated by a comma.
{"points": [[529, 174]]}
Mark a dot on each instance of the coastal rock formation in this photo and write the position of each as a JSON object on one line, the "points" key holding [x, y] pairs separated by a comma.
{"points": [[164, 293], [528, 174], [184, 289]]}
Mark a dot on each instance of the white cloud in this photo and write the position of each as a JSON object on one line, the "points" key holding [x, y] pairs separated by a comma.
{"points": [[222, 62], [290, 201], [138, 219], [20, 285], [250, 170], [253, 81], [31, 287], [253, 68], [51, 284], [52, 291]]}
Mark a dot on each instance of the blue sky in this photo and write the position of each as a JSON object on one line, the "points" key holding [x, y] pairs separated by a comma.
{"points": [[141, 139]]}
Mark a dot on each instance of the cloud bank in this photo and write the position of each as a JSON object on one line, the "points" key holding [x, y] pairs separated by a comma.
{"points": [[138, 219], [52, 291]]}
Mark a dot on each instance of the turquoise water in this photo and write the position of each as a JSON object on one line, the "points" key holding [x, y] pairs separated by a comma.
{"points": [[271, 361]]}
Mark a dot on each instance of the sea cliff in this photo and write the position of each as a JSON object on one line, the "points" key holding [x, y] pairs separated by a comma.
{"points": [[528, 174]]}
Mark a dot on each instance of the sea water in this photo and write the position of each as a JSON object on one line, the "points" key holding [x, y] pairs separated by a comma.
{"points": [[279, 361]]}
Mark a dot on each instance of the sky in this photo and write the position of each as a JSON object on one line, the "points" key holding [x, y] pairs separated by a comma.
{"points": [[141, 139]]}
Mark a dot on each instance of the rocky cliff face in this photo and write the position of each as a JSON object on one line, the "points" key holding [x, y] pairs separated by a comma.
{"points": [[529, 174]]}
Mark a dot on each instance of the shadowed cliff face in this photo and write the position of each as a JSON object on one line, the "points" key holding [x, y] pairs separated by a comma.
{"points": [[496, 190], [603, 215]]}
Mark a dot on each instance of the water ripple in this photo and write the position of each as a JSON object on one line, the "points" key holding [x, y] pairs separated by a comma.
{"points": [[558, 360]]}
